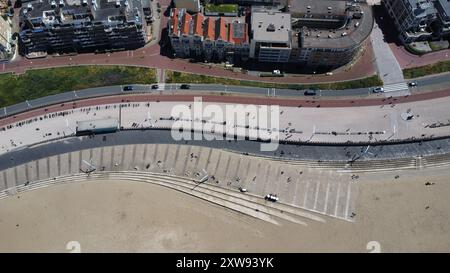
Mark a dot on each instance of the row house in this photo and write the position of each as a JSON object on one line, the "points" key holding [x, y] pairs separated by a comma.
{"points": [[208, 38]]}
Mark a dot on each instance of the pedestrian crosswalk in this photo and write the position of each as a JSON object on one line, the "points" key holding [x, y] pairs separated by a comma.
{"points": [[401, 86], [161, 86]]}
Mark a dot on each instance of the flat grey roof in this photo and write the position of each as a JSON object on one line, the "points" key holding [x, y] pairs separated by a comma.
{"points": [[97, 124], [271, 26]]}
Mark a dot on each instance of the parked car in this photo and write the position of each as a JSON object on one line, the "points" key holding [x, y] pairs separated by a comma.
{"points": [[242, 189], [412, 84], [185, 86], [276, 72], [271, 197], [155, 86], [378, 90], [310, 92], [128, 88]]}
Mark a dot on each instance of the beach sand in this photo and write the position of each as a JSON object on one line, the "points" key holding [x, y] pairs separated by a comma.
{"points": [[139, 217]]}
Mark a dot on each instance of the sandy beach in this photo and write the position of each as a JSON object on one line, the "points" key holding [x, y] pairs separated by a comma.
{"points": [[402, 214]]}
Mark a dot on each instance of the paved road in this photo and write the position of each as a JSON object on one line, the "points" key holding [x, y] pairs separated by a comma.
{"points": [[152, 56], [437, 82], [284, 151]]}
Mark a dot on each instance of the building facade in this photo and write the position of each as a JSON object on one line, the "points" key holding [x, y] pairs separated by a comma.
{"points": [[329, 33], [271, 36], [5, 38], [65, 26], [207, 38], [419, 20]]}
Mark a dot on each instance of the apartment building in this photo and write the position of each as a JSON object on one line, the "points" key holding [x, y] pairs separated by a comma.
{"points": [[419, 20], [208, 38], [271, 36], [328, 32], [62, 26], [5, 38]]}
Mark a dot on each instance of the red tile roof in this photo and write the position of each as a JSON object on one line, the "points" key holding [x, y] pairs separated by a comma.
{"points": [[185, 24], [221, 29], [198, 24], [208, 31], [174, 22]]}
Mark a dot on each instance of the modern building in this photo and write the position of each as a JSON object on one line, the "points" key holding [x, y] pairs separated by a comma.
{"points": [[271, 36], [62, 26], [328, 33], [189, 5], [443, 14], [209, 38], [5, 38], [419, 20]]}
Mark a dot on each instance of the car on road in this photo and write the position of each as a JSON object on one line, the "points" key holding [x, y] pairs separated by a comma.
{"points": [[378, 90], [412, 84], [271, 197], [310, 92], [185, 86], [127, 88], [242, 189], [155, 86]]}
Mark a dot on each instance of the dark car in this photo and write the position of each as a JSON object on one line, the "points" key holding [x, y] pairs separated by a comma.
{"points": [[128, 88], [310, 92], [185, 86], [155, 86]]}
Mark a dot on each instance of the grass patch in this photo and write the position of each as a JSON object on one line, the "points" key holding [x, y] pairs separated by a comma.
{"points": [[181, 77], [44, 82], [222, 8], [438, 45], [421, 71]]}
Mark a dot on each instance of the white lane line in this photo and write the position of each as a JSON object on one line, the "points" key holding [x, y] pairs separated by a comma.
{"points": [[317, 194], [337, 199], [326, 197], [306, 193], [347, 206], [295, 191]]}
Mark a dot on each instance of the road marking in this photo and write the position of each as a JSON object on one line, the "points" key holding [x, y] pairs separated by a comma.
{"points": [[347, 206], [317, 194], [337, 199], [401, 86], [306, 193], [326, 197], [295, 191]]}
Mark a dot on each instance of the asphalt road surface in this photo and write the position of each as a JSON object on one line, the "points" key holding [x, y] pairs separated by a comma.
{"points": [[285, 151], [423, 84]]}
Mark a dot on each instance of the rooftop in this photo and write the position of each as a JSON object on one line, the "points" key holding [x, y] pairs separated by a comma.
{"points": [[357, 27], [50, 12], [271, 26]]}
